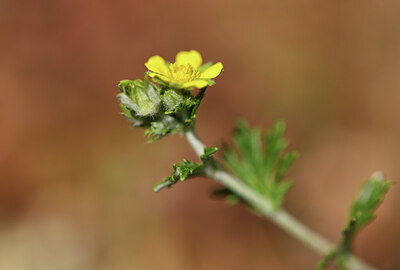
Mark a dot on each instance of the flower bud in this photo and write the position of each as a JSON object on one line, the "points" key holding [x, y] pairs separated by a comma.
{"points": [[142, 97], [172, 99]]}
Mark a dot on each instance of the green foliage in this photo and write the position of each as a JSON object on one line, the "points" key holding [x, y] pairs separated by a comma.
{"points": [[361, 213], [187, 169], [362, 210], [369, 198], [182, 171], [208, 152], [261, 166]]}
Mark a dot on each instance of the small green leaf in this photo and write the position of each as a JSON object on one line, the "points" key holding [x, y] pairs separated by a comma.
{"points": [[196, 103], [182, 171], [361, 213], [209, 152], [166, 183]]}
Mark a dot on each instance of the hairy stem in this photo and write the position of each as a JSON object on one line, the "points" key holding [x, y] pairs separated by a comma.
{"points": [[280, 217]]}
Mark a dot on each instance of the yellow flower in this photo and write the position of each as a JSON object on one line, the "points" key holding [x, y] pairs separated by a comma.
{"points": [[186, 73]]}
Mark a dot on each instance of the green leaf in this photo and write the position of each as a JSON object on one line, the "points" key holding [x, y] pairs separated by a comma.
{"points": [[182, 171], [196, 103], [361, 213], [209, 152], [362, 210], [260, 165]]}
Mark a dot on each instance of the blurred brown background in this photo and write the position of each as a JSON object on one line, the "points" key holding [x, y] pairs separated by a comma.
{"points": [[76, 182]]}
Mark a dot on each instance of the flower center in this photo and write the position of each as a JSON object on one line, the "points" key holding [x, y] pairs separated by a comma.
{"points": [[183, 74]]}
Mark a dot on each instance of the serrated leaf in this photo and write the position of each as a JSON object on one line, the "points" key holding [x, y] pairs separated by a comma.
{"points": [[260, 165]]}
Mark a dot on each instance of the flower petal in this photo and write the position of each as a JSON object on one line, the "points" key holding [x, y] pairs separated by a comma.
{"points": [[160, 76], [157, 64], [195, 84], [212, 71], [192, 57]]}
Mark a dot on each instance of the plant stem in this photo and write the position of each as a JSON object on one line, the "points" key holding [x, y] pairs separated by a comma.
{"points": [[280, 217]]}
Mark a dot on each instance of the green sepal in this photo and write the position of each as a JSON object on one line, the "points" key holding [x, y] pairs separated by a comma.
{"points": [[172, 100], [142, 97], [204, 67], [211, 82], [194, 105], [157, 80], [131, 116], [161, 127]]}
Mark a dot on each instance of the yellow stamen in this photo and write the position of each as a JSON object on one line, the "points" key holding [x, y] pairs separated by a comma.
{"points": [[183, 74]]}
